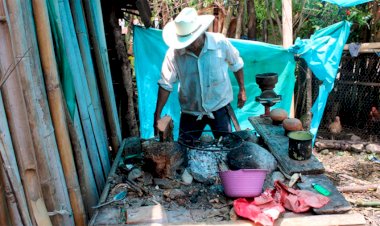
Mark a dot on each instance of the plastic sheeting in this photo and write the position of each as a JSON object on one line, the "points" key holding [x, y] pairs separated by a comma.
{"points": [[347, 3], [150, 49], [322, 53]]}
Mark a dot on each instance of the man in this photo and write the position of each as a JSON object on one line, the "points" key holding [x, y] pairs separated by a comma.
{"points": [[199, 61]]}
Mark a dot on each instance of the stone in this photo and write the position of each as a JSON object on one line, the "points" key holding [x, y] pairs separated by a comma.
{"points": [[325, 152], [247, 135], [373, 148], [251, 156], [357, 147], [271, 178], [186, 177], [134, 174], [174, 194], [355, 138]]}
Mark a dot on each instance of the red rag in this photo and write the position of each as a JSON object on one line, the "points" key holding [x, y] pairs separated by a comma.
{"points": [[267, 207]]}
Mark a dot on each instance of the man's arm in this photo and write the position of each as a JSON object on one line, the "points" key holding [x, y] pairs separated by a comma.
{"points": [[242, 97], [162, 98]]}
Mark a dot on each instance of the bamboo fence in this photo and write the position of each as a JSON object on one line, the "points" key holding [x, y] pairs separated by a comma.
{"points": [[54, 151]]}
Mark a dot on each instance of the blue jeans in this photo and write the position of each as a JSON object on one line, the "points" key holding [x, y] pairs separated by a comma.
{"points": [[190, 129]]}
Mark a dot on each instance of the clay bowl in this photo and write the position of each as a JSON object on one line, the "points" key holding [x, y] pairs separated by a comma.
{"points": [[278, 115], [292, 124]]}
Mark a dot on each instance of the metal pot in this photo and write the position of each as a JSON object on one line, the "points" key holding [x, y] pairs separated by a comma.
{"points": [[300, 145]]}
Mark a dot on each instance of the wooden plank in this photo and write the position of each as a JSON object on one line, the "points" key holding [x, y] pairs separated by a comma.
{"points": [[278, 144], [354, 219], [147, 215], [323, 220], [337, 203]]}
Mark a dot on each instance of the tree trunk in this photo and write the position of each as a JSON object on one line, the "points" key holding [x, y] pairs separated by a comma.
{"points": [[309, 99], [269, 15], [240, 16], [375, 29], [227, 20], [252, 23], [126, 73], [221, 17]]}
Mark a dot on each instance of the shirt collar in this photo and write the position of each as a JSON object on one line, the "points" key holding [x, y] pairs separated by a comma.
{"points": [[209, 43]]}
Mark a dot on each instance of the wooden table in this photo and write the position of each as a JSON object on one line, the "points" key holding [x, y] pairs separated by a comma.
{"points": [[278, 143]]}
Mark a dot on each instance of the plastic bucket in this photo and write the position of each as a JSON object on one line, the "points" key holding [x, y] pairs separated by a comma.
{"points": [[243, 183], [300, 145]]}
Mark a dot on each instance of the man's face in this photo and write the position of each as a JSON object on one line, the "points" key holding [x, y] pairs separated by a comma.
{"points": [[197, 45]]}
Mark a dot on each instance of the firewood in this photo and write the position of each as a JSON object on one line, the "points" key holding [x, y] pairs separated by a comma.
{"points": [[356, 180], [368, 203], [165, 129], [344, 145], [359, 188]]}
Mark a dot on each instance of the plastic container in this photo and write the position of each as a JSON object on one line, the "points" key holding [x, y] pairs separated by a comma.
{"points": [[243, 183]]}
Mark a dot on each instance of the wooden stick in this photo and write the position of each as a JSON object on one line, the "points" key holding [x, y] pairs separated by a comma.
{"points": [[96, 27], [85, 50], [3, 19], [368, 203], [366, 46], [56, 104], [107, 187], [356, 180], [359, 188], [4, 212]]}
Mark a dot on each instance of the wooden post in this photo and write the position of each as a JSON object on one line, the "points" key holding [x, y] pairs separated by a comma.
{"points": [[287, 35], [121, 51], [56, 103], [4, 212], [17, 118], [95, 23]]}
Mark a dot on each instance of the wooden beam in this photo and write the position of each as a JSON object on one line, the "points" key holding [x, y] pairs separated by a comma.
{"points": [[367, 47], [3, 19]]}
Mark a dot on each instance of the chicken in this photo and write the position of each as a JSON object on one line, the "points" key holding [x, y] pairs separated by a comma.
{"points": [[335, 127], [374, 114]]}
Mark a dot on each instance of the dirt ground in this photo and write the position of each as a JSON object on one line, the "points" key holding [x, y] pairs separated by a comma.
{"points": [[353, 169], [207, 203]]}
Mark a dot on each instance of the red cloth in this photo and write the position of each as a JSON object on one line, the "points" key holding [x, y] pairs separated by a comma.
{"points": [[267, 207]]}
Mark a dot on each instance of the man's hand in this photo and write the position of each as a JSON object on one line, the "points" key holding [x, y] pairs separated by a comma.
{"points": [[242, 98]]}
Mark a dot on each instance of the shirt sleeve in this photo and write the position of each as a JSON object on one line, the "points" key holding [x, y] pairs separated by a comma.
{"points": [[168, 73], [235, 62]]}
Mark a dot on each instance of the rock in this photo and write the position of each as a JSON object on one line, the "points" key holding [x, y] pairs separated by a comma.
{"points": [[148, 178], [271, 178], [357, 147], [355, 138], [134, 173], [325, 152], [247, 135], [174, 194], [186, 177], [206, 138], [251, 156], [166, 183], [373, 148]]}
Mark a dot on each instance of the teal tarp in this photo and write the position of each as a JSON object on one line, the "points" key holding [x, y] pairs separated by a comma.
{"points": [[258, 57], [347, 3], [323, 52]]}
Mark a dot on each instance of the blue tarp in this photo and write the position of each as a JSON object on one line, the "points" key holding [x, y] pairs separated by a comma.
{"points": [[322, 52], [150, 49], [347, 3]]}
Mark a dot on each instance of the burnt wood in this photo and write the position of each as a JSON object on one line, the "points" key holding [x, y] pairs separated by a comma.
{"points": [[337, 203], [278, 143]]}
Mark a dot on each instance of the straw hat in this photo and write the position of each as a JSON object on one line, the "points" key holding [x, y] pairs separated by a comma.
{"points": [[185, 28]]}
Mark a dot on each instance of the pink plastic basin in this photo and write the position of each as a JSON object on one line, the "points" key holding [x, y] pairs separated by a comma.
{"points": [[243, 183]]}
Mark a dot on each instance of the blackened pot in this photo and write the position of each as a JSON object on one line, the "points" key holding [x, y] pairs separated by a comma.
{"points": [[300, 145]]}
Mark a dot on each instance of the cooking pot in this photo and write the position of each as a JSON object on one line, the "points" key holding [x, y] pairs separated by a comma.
{"points": [[300, 145]]}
